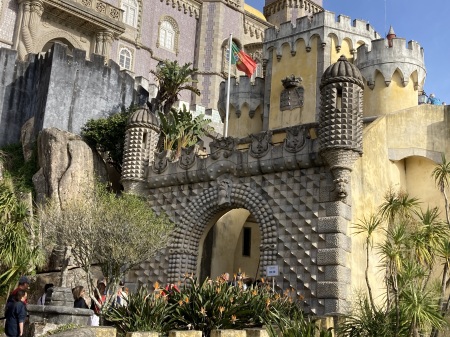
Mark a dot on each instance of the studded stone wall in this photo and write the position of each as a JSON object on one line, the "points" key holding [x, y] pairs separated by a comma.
{"points": [[302, 231]]}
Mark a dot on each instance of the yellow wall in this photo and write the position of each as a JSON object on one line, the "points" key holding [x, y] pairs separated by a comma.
{"points": [[406, 137], [385, 99], [346, 47], [244, 126], [303, 64], [248, 264]]}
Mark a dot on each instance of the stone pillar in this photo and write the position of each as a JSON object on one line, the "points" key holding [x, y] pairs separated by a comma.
{"points": [[108, 38], [31, 18], [99, 43]]}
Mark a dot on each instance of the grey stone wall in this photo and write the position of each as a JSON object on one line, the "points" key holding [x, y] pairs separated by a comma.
{"points": [[59, 90]]}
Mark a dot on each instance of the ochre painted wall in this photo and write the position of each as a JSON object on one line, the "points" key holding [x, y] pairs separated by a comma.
{"points": [[243, 126], [397, 150], [385, 99], [304, 65], [346, 47]]}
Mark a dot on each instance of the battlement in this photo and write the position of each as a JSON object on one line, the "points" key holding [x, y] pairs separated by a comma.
{"points": [[323, 19], [379, 56], [242, 91]]}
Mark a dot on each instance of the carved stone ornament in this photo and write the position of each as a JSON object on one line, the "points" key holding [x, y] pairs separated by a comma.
{"points": [[223, 146], [295, 139], [293, 94], [224, 193], [187, 158], [341, 187], [260, 144], [161, 161]]}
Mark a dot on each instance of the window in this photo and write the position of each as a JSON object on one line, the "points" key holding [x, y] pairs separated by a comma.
{"points": [[166, 35], [130, 12], [125, 58], [169, 34], [247, 241]]}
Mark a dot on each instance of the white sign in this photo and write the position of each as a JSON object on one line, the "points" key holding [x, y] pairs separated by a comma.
{"points": [[272, 271]]}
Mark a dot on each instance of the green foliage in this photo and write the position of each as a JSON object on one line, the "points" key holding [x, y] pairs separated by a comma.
{"points": [[17, 169], [116, 233], [146, 311], [107, 135], [180, 129], [172, 78], [210, 305], [414, 239], [18, 254], [295, 325]]}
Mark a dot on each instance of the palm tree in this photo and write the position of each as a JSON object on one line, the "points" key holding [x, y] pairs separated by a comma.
{"points": [[441, 175], [172, 79], [369, 227]]}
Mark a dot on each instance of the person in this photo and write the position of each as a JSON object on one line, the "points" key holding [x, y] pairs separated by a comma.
{"points": [[78, 298], [15, 314], [100, 298], [122, 296], [24, 284], [41, 300], [434, 100]]}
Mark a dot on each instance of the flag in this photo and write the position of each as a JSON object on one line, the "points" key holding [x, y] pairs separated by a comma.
{"points": [[242, 60]]}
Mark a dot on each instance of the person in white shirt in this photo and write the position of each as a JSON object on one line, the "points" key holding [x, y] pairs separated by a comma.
{"points": [[41, 300]]}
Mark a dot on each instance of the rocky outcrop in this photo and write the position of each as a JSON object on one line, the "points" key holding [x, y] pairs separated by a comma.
{"points": [[68, 166]]}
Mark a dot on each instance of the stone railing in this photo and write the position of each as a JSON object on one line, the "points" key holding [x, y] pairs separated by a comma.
{"points": [[104, 8]]}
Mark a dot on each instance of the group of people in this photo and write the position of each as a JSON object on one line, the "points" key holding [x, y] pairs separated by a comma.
{"points": [[16, 305], [432, 99]]}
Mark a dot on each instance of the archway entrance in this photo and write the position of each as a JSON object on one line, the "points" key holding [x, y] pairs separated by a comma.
{"points": [[50, 44], [230, 245]]}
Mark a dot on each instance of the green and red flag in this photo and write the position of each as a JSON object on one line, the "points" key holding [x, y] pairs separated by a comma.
{"points": [[242, 60]]}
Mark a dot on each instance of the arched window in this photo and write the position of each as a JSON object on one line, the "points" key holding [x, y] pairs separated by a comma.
{"points": [[130, 12], [168, 34], [125, 58]]}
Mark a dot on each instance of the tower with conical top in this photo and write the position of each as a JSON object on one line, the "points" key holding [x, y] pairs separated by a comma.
{"points": [[141, 140], [340, 121]]}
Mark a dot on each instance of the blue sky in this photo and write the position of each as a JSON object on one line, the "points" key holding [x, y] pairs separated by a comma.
{"points": [[426, 22]]}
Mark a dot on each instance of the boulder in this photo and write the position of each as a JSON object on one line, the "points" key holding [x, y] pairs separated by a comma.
{"points": [[68, 166]]}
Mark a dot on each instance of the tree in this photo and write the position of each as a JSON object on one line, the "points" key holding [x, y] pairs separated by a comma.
{"points": [[18, 253], [107, 135], [441, 175], [116, 233], [172, 78], [180, 129]]}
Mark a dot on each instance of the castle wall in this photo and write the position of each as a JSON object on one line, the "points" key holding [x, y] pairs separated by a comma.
{"points": [[303, 64], [400, 151], [59, 90]]}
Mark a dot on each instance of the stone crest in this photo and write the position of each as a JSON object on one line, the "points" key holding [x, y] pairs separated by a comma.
{"points": [[260, 144], [293, 94], [295, 139], [223, 146], [224, 193], [160, 163], [187, 158]]}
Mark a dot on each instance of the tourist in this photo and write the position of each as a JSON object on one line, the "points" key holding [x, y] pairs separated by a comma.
{"points": [[24, 284], [97, 302], [41, 300], [122, 295], [434, 100], [15, 314], [78, 298]]}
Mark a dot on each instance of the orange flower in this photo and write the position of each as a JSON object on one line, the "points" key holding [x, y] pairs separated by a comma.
{"points": [[233, 319], [221, 309], [231, 299], [203, 311], [156, 285], [186, 299], [255, 292], [180, 302], [267, 302]]}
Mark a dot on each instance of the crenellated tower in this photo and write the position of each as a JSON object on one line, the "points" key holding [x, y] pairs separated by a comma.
{"points": [[279, 11], [393, 71], [141, 140], [246, 105]]}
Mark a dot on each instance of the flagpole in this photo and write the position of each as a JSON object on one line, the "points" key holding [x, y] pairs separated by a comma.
{"points": [[227, 110]]}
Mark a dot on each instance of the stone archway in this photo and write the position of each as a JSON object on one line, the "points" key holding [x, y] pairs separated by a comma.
{"points": [[198, 213]]}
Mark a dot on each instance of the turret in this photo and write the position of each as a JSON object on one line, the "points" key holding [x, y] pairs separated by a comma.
{"points": [[246, 105], [340, 120], [393, 72], [141, 140]]}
